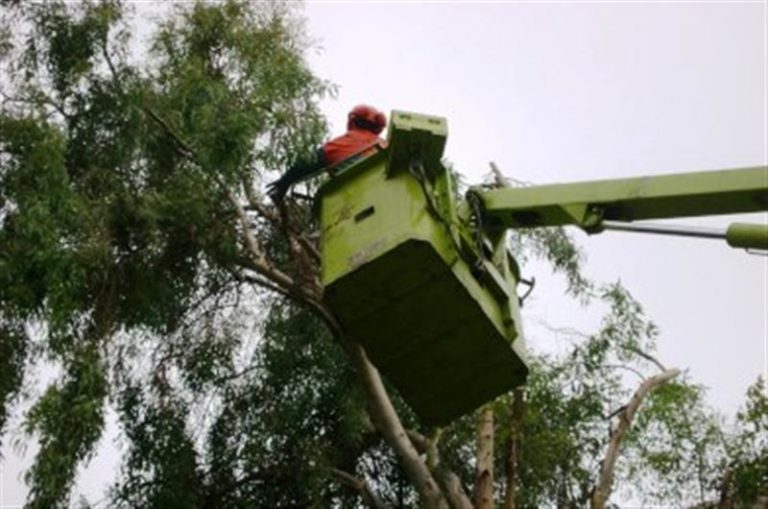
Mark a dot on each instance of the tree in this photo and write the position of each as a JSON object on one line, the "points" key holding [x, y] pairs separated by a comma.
{"points": [[139, 256]]}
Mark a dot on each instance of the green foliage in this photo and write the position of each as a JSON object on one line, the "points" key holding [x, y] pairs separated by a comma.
{"points": [[69, 418], [555, 246], [681, 442], [120, 264], [12, 355], [114, 238], [70, 44], [232, 82], [161, 467], [749, 446], [303, 395]]}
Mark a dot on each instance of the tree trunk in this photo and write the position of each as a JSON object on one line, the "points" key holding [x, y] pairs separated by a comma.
{"points": [[484, 472], [605, 483], [726, 489], [388, 423], [514, 441]]}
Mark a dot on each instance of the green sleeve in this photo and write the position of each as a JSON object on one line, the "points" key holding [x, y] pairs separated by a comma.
{"points": [[303, 168]]}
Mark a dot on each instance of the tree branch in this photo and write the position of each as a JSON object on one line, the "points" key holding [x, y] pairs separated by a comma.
{"points": [[36, 102], [388, 423], [604, 485], [107, 58], [427, 446], [450, 482], [275, 219], [261, 265], [457, 496], [182, 148], [626, 368], [726, 490], [419, 440], [370, 498], [259, 261], [647, 357], [257, 281]]}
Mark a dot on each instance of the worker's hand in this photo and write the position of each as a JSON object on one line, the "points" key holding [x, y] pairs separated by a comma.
{"points": [[276, 190]]}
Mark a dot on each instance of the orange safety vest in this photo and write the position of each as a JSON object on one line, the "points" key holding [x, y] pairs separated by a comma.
{"points": [[347, 145]]}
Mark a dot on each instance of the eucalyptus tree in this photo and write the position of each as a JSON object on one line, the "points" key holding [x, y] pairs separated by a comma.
{"points": [[141, 262]]}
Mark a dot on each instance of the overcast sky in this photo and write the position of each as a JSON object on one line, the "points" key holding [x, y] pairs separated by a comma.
{"points": [[556, 92]]}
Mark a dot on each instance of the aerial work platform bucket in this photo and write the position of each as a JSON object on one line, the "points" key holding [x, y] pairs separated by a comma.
{"points": [[445, 332]]}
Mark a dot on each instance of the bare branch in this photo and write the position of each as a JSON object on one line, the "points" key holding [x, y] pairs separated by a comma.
{"points": [[259, 206], [261, 265], [427, 446], [370, 498], [419, 440], [499, 179], [568, 331], [605, 482], [261, 282], [308, 246], [107, 58], [433, 453]]}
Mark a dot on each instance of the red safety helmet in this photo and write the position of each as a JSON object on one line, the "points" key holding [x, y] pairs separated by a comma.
{"points": [[366, 117]]}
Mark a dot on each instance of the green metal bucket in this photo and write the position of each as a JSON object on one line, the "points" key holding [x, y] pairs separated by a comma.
{"points": [[394, 277]]}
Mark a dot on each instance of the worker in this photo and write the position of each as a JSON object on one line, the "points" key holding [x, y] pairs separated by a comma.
{"points": [[364, 124]]}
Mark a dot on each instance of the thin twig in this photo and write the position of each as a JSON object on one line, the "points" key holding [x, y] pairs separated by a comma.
{"points": [[626, 368], [647, 357], [107, 58], [499, 179], [186, 151]]}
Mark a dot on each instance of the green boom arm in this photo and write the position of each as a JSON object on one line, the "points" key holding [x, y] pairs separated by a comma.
{"points": [[610, 204]]}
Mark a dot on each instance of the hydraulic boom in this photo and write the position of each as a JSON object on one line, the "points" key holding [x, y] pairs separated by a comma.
{"points": [[613, 204]]}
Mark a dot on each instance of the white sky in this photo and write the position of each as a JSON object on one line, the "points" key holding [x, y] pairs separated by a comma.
{"points": [[556, 92]]}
